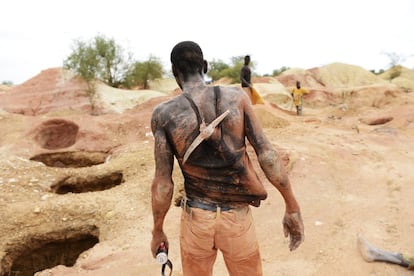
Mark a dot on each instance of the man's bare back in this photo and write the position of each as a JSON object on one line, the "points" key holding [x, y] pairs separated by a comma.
{"points": [[219, 170]]}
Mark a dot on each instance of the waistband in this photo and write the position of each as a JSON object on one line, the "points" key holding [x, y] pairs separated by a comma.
{"points": [[204, 206]]}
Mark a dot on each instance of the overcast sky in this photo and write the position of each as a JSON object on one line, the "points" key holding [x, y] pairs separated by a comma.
{"points": [[37, 35]]}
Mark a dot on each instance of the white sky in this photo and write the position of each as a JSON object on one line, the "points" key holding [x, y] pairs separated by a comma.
{"points": [[37, 35]]}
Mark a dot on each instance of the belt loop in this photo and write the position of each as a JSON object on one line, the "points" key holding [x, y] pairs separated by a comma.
{"points": [[185, 206], [218, 212]]}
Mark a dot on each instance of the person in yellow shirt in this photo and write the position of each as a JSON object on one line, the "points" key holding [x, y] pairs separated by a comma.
{"points": [[297, 94]]}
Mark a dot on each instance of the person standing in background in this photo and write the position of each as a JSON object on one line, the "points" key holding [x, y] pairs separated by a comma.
{"points": [[297, 94], [245, 77]]}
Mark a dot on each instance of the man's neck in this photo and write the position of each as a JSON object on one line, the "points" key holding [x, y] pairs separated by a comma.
{"points": [[193, 81]]}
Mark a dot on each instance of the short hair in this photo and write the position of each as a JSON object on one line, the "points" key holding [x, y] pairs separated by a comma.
{"points": [[187, 57]]}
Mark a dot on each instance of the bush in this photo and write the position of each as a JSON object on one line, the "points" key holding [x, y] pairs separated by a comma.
{"points": [[219, 69], [142, 72], [100, 58]]}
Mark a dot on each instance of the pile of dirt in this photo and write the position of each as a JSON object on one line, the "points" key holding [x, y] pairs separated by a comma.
{"points": [[58, 90], [339, 83], [400, 76], [4, 88], [307, 79], [165, 85], [339, 75], [269, 118], [50, 90], [119, 100]]}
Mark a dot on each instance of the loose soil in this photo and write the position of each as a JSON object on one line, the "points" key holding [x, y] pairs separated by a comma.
{"points": [[75, 187]]}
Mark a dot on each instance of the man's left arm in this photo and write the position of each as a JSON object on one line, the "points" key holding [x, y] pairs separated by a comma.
{"points": [[272, 166]]}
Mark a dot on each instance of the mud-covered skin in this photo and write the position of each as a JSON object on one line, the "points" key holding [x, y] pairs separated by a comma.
{"points": [[224, 176], [219, 170]]}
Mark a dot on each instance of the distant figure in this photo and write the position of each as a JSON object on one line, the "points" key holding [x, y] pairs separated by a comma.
{"points": [[297, 94], [245, 76]]}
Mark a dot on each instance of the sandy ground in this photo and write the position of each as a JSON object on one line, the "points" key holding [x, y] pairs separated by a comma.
{"points": [[92, 197]]}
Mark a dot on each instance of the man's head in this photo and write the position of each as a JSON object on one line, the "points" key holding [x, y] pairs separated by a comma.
{"points": [[297, 84], [187, 59], [246, 60]]}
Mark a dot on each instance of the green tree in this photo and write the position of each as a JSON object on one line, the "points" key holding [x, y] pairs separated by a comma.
{"points": [[142, 72], [113, 62], [100, 58], [236, 65], [85, 63], [216, 68]]}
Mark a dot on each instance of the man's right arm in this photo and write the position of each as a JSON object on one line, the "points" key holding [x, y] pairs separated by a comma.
{"points": [[162, 185]]}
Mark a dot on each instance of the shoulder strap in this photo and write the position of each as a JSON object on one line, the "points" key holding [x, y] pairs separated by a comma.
{"points": [[194, 107], [217, 98], [217, 107]]}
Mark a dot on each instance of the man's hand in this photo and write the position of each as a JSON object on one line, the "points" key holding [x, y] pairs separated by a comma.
{"points": [[293, 227], [158, 237]]}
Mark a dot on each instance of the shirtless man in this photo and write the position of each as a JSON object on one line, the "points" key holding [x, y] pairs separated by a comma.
{"points": [[245, 77], [219, 179]]}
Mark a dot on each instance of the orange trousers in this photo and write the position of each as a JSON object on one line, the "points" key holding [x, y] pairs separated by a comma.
{"points": [[232, 232]]}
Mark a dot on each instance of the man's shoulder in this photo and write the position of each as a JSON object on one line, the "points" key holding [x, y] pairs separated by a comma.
{"points": [[245, 68], [231, 90], [168, 106]]}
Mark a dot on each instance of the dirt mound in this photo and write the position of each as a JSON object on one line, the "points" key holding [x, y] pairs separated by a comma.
{"points": [[263, 79], [400, 76], [274, 93], [5, 88], [339, 83], [339, 75], [372, 96], [58, 90], [307, 79], [118, 100], [269, 117], [163, 85], [319, 96], [52, 89]]}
